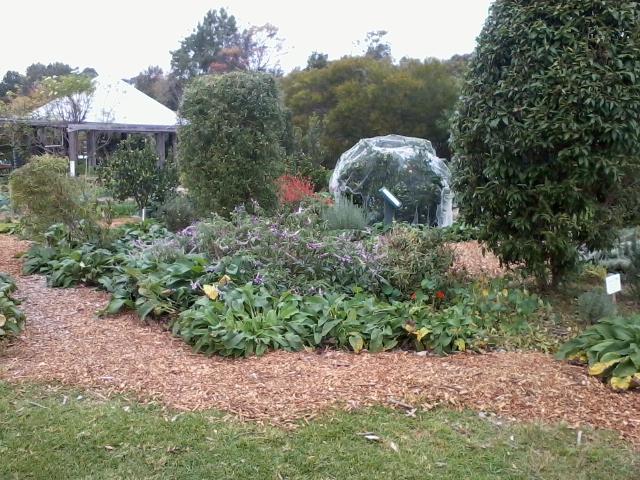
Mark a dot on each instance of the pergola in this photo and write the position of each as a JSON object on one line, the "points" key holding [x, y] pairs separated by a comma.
{"points": [[114, 106]]}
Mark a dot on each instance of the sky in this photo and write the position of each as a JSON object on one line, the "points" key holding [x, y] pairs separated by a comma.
{"points": [[123, 37]]}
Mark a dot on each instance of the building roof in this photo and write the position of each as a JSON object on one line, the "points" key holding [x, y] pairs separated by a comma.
{"points": [[114, 101]]}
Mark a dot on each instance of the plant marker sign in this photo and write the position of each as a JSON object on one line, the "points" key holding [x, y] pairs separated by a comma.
{"points": [[614, 285]]}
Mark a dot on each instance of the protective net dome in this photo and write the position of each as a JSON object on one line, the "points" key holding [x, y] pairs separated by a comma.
{"points": [[406, 166]]}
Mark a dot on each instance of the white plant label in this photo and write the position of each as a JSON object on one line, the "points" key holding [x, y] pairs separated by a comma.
{"points": [[614, 284]]}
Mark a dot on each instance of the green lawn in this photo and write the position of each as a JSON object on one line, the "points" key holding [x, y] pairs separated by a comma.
{"points": [[53, 433]]}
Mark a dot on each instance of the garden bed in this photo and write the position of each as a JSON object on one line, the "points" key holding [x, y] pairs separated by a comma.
{"points": [[65, 342]]}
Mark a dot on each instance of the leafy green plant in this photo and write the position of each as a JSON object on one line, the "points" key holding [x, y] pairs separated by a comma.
{"points": [[44, 194], [595, 305], [177, 213], [548, 139], [413, 259], [133, 172], [11, 317], [345, 215], [230, 144], [611, 349]]}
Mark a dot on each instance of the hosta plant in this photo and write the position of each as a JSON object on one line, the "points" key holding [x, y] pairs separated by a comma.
{"points": [[611, 348], [11, 317]]}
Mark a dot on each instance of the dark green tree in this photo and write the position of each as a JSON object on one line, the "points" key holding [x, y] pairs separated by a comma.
{"points": [[217, 33], [231, 144], [11, 82], [360, 97], [548, 129], [38, 71], [317, 60]]}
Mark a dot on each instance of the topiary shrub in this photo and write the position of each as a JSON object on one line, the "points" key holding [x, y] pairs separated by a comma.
{"points": [[44, 194], [230, 145], [547, 131]]}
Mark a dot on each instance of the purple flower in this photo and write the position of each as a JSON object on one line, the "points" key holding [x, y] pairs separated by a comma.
{"points": [[314, 245], [196, 286], [190, 231], [258, 279]]}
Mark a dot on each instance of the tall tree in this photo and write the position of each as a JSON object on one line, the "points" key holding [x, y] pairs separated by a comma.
{"points": [[317, 60], [376, 45], [359, 97], [200, 50], [548, 129], [11, 82], [38, 71]]}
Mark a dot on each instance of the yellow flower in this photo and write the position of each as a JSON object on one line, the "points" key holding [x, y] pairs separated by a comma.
{"points": [[211, 291], [485, 292], [224, 280], [505, 293]]}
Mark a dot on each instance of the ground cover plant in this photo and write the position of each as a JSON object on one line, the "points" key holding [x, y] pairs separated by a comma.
{"points": [[122, 439]]}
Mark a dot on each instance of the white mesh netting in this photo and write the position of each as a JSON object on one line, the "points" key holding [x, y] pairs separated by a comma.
{"points": [[408, 167]]}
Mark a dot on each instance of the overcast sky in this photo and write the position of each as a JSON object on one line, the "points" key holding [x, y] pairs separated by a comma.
{"points": [[122, 37]]}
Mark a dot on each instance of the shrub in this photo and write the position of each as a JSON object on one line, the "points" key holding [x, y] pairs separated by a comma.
{"points": [[11, 317], [292, 190], [611, 349], [413, 258], [177, 213], [44, 194], [133, 171], [595, 305], [547, 137], [345, 215], [230, 146], [287, 252]]}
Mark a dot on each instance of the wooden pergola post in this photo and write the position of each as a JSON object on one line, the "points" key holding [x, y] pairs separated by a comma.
{"points": [[161, 148], [91, 147], [174, 147], [73, 150]]}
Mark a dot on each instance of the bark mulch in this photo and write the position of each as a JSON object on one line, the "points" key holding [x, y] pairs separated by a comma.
{"points": [[65, 342]]}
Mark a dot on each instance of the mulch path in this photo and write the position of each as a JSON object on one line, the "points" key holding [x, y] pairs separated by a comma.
{"points": [[65, 342]]}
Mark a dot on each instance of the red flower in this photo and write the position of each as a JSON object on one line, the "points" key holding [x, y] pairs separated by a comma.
{"points": [[413, 296], [293, 189], [440, 295]]}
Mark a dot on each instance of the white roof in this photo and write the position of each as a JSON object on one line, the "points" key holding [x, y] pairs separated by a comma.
{"points": [[115, 101]]}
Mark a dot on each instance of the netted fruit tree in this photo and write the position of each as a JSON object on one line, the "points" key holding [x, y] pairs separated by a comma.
{"points": [[547, 131]]}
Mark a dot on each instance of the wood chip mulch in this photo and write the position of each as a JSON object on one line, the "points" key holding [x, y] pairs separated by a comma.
{"points": [[65, 342], [472, 259]]}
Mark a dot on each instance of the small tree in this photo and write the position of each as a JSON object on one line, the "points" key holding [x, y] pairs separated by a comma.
{"points": [[548, 129], [133, 172], [230, 146], [44, 194]]}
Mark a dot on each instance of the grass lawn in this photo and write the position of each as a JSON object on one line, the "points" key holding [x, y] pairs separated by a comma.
{"points": [[54, 433]]}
